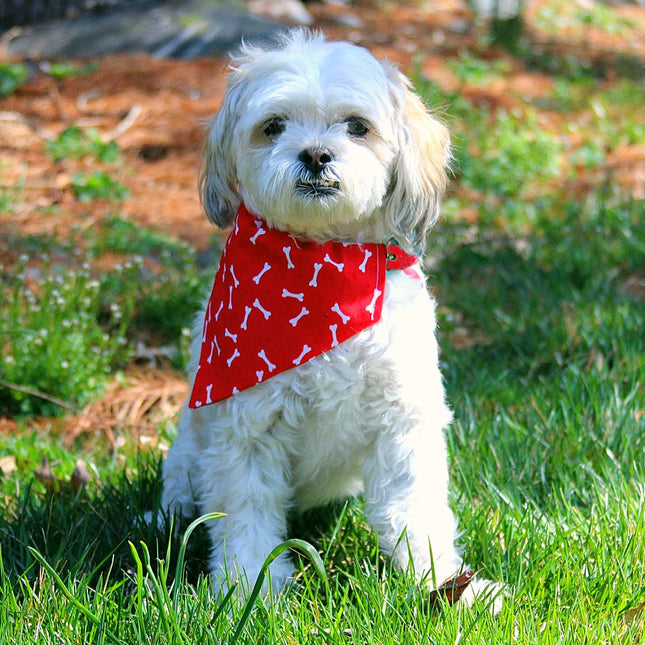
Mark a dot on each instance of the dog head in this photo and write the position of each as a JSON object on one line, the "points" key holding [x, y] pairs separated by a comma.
{"points": [[324, 141]]}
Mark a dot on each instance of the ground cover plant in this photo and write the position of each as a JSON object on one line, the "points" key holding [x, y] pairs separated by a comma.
{"points": [[539, 270]]}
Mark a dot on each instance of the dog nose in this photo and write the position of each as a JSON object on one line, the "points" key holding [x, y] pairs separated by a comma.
{"points": [[315, 159]]}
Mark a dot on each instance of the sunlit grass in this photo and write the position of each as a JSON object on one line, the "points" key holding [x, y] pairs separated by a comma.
{"points": [[541, 316]]}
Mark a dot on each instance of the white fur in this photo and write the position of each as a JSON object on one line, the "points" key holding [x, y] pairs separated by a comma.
{"points": [[367, 417]]}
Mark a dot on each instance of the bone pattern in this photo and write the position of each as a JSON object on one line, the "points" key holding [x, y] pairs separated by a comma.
{"points": [[292, 306]]}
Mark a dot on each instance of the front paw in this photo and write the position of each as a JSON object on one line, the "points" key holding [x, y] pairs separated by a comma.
{"points": [[485, 591], [243, 579]]}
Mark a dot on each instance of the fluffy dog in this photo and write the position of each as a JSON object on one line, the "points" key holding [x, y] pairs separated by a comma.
{"points": [[320, 148]]}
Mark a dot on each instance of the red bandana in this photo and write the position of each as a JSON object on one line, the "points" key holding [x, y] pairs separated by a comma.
{"points": [[279, 301]]}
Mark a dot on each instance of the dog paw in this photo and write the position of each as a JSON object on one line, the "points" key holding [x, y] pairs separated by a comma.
{"points": [[485, 592], [278, 578]]}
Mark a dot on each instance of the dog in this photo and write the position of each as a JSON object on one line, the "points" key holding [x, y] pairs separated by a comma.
{"points": [[315, 364]]}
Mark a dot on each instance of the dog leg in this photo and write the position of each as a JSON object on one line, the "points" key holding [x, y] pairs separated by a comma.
{"points": [[245, 475], [178, 471], [406, 501]]}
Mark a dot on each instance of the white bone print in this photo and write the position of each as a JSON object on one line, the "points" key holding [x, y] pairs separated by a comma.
{"points": [[336, 309], [270, 366], [366, 257], [219, 311], [287, 253], [334, 338], [236, 282], [314, 281], [214, 346], [228, 334], [303, 312], [305, 350], [339, 265], [233, 356], [371, 307], [258, 277], [207, 320], [247, 313], [265, 313], [259, 232], [208, 394], [288, 294], [230, 297], [259, 375]]}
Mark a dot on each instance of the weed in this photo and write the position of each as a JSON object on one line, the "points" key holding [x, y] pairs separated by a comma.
{"points": [[62, 69], [98, 185], [169, 289], [58, 340], [119, 235], [76, 143], [470, 69], [512, 154], [12, 76]]}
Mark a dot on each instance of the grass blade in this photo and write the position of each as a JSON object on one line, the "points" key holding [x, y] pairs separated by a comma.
{"points": [[70, 596], [305, 549]]}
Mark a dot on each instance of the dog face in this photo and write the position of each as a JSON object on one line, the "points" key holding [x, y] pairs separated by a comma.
{"points": [[324, 141]]}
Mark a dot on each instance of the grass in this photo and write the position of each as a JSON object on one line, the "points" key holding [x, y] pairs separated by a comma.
{"points": [[58, 338], [547, 473], [541, 305]]}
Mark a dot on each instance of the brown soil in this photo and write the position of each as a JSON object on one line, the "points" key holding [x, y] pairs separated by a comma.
{"points": [[158, 110]]}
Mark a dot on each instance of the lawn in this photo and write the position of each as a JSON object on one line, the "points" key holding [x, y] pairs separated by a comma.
{"points": [[538, 266]]}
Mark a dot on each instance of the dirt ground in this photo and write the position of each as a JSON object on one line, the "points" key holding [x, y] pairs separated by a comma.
{"points": [[157, 111]]}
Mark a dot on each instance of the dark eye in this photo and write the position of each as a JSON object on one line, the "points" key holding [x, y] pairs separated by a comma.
{"points": [[274, 127], [357, 127]]}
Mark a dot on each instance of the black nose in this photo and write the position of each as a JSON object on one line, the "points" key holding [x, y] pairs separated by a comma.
{"points": [[315, 159]]}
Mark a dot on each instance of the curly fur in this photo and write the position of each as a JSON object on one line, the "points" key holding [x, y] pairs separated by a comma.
{"points": [[368, 417]]}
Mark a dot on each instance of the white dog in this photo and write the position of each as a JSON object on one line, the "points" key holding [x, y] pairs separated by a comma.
{"points": [[316, 366]]}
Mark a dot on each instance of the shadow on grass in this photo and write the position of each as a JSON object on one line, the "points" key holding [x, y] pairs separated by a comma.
{"points": [[563, 294], [88, 534]]}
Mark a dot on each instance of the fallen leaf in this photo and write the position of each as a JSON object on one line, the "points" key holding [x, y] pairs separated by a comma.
{"points": [[44, 473], [81, 476], [7, 465], [633, 614]]}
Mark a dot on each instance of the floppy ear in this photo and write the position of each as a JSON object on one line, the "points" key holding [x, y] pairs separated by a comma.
{"points": [[419, 171], [218, 189]]}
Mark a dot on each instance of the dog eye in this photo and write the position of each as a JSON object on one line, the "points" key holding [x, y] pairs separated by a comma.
{"points": [[274, 127], [357, 127]]}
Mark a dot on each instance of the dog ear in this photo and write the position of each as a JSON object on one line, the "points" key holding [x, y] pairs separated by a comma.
{"points": [[218, 188], [419, 173]]}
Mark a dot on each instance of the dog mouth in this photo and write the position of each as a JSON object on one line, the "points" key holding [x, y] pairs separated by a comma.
{"points": [[317, 188]]}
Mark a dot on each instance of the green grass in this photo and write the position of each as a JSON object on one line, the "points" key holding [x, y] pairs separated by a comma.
{"points": [[546, 456], [58, 338], [76, 143], [541, 317]]}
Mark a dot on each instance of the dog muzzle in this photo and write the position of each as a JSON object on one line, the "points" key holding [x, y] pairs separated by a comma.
{"points": [[278, 301]]}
